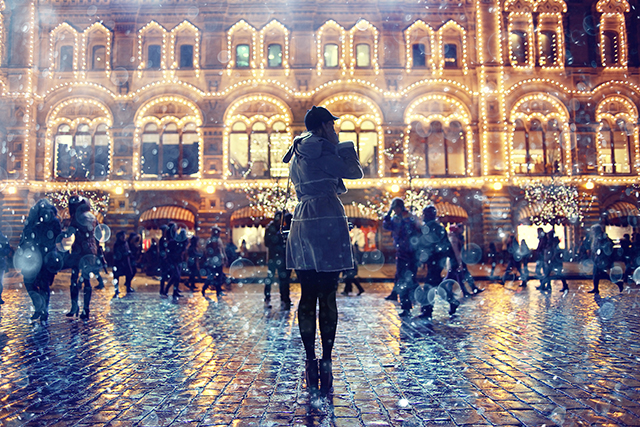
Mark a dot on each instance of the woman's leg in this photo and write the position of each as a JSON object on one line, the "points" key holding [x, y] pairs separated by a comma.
{"points": [[307, 311], [328, 316]]}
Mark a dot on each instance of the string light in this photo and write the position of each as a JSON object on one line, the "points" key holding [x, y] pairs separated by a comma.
{"points": [[612, 21], [321, 42]]}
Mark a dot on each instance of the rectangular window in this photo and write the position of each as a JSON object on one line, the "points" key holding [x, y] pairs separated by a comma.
{"points": [[548, 48], [66, 58], [331, 55], [153, 56], [518, 42], [363, 56], [450, 55], [186, 56], [99, 58], [419, 55], [242, 56], [274, 55]]}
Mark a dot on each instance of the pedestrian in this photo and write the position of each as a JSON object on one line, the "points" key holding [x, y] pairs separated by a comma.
{"points": [[491, 259], [602, 256], [514, 258], [134, 241], [435, 251], [193, 263], [463, 275], [5, 250], [405, 231], [83, 259], [626, 248], [103, 262], [151, 266], [525, 253], [552, 263], [122, 263], [215, 260], [275, 239], [319, 246], [244, 250], [351, 276], [540, 252], [37, 256], [231, 251]]}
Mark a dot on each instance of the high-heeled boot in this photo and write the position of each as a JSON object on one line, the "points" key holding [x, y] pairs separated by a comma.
{"points": [[74, 292], [326, 376], [311, 376]]}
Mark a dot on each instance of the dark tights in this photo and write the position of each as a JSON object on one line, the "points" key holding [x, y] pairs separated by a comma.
{"points": [[318, 287]]}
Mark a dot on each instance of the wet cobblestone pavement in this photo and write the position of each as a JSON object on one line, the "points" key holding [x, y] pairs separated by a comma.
{"points": [[510, 356]]}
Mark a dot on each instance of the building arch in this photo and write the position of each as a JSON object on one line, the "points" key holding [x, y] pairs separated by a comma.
{"points": [[168, 140], [618, 140], [438, 137], [242, 45], [420, 45], [64, 48], [78, 141], [331, 37], [257, 133], [539, 141]]}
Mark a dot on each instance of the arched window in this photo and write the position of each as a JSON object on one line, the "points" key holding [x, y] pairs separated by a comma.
{"points": [[419, 55], [538, 150], [170, 151], [455, 149], [154, 55], [451, 55], [519, 156], [610, 42], [279, 144], [615, 144], [82, 154], [368, 148], [186, 56], [548, 47]]}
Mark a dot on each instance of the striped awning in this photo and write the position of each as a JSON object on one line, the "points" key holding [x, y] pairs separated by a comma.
{"points": [[359, 218], [524, 214], [157, 216], [250, 216], [622, 213], [450, 213]]}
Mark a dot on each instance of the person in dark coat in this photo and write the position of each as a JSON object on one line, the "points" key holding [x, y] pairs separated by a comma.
{"points": [[319, 246], [461, 273], [151, 260], [514, 259], [405, 231], [5, 250], [172, 248], [215, 260], [122, 263], [542, 243], [38, 257], [602, 255], [231, 251], [552, 263], [434, 249], [491, 259], [83, 259], [134, 241], [193, 263], [626, 248], [276, 243]]}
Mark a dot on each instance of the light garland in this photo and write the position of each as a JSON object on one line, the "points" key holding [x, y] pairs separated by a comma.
{"points": [[99, 201], [271, 197], [555, 202], [414, 33]]}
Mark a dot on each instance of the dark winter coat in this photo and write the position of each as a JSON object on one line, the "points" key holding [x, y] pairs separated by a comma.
{"points": [[122, 258]]}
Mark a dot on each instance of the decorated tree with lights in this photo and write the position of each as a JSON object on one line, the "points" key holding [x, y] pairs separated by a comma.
{"points": [[272, 198], [99, 200], [555, 203]]}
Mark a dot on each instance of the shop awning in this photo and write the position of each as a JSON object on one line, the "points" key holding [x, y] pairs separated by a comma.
{"points": [[358, 218], [450, 213], [524, 214], [250, 216], [622, 214], [158, 216]]}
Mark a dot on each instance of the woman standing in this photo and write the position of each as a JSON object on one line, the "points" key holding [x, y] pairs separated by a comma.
{"points": [[319, 247]]}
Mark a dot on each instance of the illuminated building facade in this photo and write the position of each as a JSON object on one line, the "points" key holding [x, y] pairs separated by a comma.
{"points": [[183, 104]]}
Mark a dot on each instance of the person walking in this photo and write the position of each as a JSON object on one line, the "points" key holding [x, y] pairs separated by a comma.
{"points": [[435, 249], [122, 263], [491, 259], [319, 246], [37, 256], [193, 263], [5, 250], [463, 275], [82, 259], [552, 263], [602, 255], [404, 228], [514, 258], [215, 260], [275, 239], [351, 277], [540, 252], [134, 241]]}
